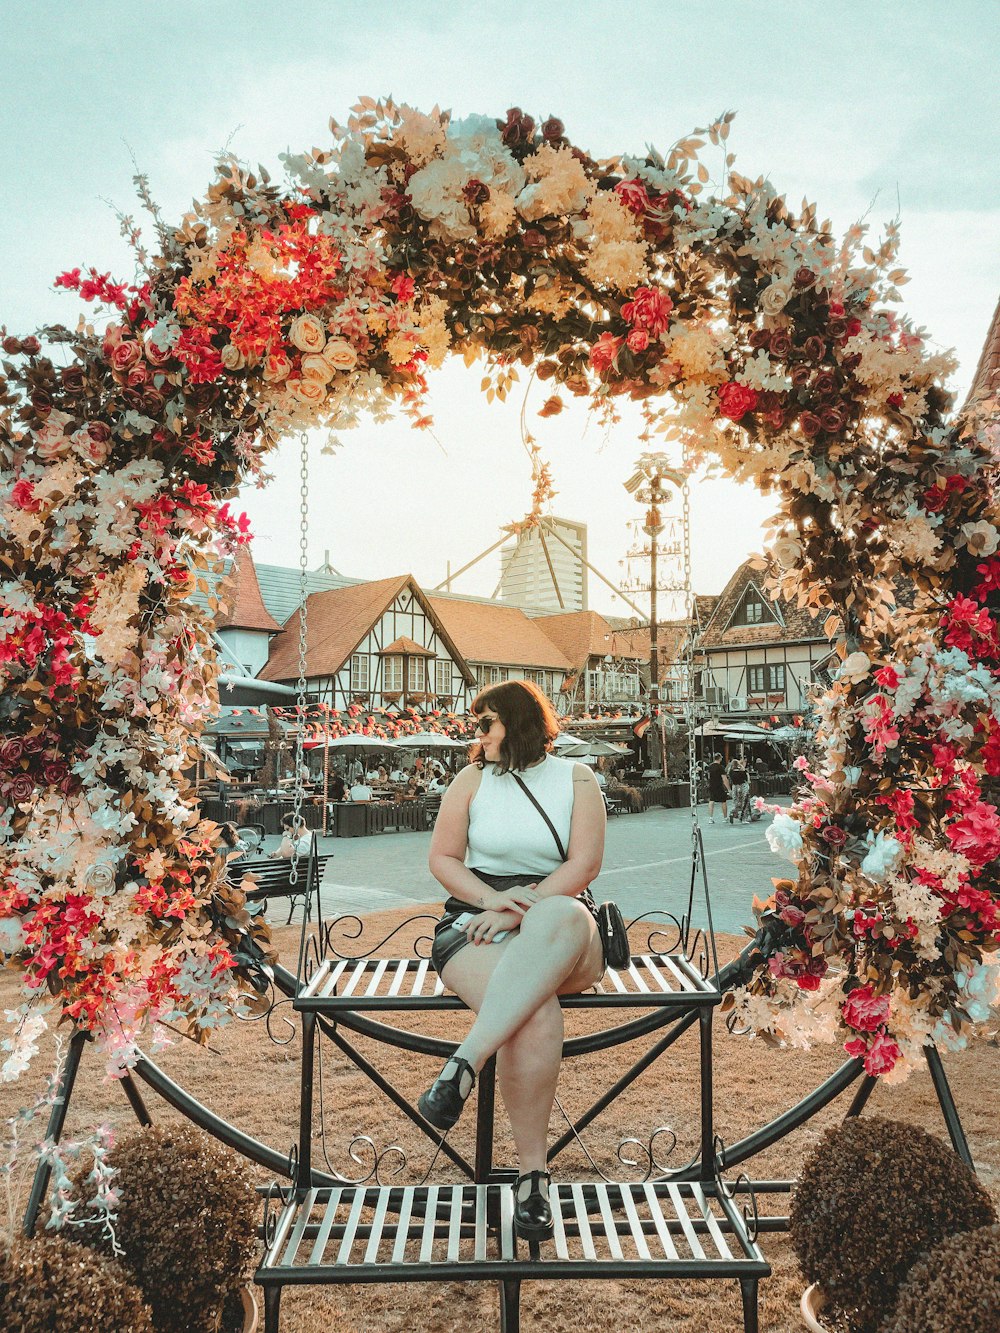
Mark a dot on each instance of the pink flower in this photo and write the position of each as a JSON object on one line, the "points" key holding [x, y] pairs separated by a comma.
{"points": [[125, 355], [977, 834], [882, 1055], [604, 352], [888, 677], [403, 287], [23, 496], [648, 309], [856, 1047], [736, 400], [633, 195], [638, 340], [864, 1011]]}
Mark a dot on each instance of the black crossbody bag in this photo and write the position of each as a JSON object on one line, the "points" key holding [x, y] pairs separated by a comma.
{"points": [[610, 922]]}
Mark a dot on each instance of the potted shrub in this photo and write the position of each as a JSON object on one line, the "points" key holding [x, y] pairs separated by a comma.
{"points": [[48, 1284], [187, 1218], [955, 1288], [873, 1196]]}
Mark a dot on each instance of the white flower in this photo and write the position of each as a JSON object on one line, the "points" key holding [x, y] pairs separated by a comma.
{"points": [[787, 551], [340, 355], [307, 334], [855, 667], [883, 854], [784, 836], [981, 538], [11, 934], [773, 299]]}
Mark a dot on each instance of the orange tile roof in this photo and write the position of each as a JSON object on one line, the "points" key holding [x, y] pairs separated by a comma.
{"points": [[799, 626], [582, 635], [336, 622], [404, 647], [243, 606], [491, 632]]}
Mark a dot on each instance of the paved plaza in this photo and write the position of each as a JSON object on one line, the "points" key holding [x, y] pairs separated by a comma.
{"points": [[647, 866]]}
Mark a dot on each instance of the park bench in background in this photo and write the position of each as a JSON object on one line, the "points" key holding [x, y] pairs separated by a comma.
{"points": [[273, 877]]}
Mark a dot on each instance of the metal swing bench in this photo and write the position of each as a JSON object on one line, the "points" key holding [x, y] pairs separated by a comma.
{"points": [[684, 1224]]}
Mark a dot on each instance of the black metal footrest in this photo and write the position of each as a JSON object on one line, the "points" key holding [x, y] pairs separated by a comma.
{"points": [[650, 980], [454, 1232]]}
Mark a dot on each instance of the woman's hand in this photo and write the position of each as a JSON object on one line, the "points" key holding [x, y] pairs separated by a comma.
{"points": [[516, 900], [484, 925]]}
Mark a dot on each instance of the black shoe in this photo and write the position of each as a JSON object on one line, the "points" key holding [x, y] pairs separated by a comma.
{"points": [[533, 1213], [443, 1101]]}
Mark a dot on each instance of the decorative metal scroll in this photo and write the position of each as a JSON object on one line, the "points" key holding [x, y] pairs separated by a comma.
{"points": [[747, 1207]]}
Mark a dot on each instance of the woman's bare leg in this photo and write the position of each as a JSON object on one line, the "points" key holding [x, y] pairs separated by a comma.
{"points": [[528, 1071], [552, 949]]}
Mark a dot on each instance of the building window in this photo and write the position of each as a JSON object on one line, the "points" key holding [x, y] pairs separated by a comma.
{"points": [[417, 675], [360, 667], [536, 678], [766, 679], [392, 673], [497, 674], [752, 610], [594, 682], [442, 676]]}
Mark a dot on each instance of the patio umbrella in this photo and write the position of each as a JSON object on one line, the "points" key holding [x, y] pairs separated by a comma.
{"points": [[432, 740], [564, 739], [595, 750]]}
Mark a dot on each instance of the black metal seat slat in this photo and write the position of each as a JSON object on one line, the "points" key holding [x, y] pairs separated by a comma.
{"points": [[411, 983], [450, 1232]]}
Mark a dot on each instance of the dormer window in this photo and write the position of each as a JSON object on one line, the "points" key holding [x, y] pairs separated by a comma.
{"points": [[753, 609]]}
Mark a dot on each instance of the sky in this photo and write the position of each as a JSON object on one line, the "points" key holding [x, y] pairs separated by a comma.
{"points": [[868, 110]]}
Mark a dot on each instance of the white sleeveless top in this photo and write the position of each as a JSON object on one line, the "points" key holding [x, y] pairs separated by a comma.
{"points": [[507, 835]]}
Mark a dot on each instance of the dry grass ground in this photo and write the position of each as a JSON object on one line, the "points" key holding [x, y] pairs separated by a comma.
{"points": [[254, 1083]]}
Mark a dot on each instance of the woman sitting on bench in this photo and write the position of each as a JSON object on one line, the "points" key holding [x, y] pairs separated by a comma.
{"points": [[519, 838]]}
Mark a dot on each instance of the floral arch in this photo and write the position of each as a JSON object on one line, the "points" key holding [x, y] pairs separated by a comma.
{"points": [[749, 332]]}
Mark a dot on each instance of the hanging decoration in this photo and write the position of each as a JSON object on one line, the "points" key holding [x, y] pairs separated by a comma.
{"points": [[765, 344]]}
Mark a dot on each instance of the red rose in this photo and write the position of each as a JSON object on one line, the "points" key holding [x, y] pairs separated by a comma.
{"points": [[837, 329], [553, 129], [30, 346], [836, 307], [804, 277], [11, 345], [99, 431], [534, 239], [760, 338], [834, 835], [833, 419], [476, 191], [895, 400], [648, 309], [633, 195], [824, 383], [54, 773], [736, 400], [780, 343], [11, 751], [23, 496], [775, 418], [72, 378], [518, 128], [124, 355], [808, 981], [814, 348], [800, 375], [21, 788], [810, 424], [637, 340], [604, 352], [853, 328], [864, 1011], [33, 744]]}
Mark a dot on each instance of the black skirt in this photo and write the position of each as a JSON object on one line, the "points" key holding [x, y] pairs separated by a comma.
{"points": [[450, 939]]}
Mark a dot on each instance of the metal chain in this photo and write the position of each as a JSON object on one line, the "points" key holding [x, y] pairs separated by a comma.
{"points": [[689, 610], [301, 682]]}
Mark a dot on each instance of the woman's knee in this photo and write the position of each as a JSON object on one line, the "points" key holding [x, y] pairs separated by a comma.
{"points": [[557, 915]]}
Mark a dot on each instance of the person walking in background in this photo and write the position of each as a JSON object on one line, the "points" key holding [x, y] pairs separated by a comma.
{"points": [[739, 778], [718, 787]]}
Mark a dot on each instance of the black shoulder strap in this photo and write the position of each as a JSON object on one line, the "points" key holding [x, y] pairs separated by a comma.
{"points": [[552, 827]]}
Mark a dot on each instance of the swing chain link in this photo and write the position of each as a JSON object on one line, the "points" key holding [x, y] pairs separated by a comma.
{"points": [[300, 701], [689, 612]]}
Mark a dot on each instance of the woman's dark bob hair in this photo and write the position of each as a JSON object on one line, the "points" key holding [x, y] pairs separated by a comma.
{"points": [[529, 721]]}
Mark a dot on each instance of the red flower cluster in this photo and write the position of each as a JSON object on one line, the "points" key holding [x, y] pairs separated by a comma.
{"points": [[736, 400]]}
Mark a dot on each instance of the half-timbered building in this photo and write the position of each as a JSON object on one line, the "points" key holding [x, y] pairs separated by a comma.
{"points": [[759, 654], [375, 644]]}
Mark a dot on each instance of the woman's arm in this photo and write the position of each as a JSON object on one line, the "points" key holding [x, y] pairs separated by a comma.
{"points": [[585, 852]]}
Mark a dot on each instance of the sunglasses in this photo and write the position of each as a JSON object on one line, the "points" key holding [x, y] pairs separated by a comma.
{"points": [[483, 724]]}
